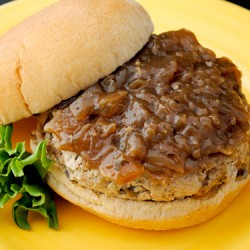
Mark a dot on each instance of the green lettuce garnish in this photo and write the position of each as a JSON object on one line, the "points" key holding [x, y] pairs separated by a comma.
{"points": [[22, 177]]}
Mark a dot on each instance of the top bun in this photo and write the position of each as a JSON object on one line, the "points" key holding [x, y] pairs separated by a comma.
{"points": [[64, 49]]}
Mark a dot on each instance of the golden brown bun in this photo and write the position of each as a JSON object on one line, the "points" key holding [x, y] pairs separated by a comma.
{"points": [[64, 49], [145, 214]]}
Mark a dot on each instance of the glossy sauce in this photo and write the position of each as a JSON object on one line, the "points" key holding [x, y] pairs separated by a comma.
{"points": [[163, 111]]}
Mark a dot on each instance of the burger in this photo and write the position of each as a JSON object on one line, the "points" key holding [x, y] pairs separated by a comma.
{"points": [[147, 131]]}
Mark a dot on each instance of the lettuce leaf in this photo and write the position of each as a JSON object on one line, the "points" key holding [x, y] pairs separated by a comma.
{"points": [[22, 176]]}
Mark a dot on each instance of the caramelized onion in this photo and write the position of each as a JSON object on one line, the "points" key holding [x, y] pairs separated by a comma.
{"points": [[172, 105]]}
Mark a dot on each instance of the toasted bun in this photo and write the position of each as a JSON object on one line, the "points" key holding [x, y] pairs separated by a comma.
{"points": [[145, 214], [64, 49]]}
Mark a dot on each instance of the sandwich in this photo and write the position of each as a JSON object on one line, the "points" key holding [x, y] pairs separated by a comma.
{"points": [[146, 131]]}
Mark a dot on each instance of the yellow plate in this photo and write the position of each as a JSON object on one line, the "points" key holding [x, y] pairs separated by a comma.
{"points": [[218, 25]]}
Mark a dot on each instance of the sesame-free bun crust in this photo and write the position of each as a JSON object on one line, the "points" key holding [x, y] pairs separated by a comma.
{"points": [[150, 215], [64, 49]]}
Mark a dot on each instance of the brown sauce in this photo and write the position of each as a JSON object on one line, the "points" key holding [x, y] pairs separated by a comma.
{"points": [[171, 105]]}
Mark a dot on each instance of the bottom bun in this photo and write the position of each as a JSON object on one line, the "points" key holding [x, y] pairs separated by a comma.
{"points": [[149, 215]]}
